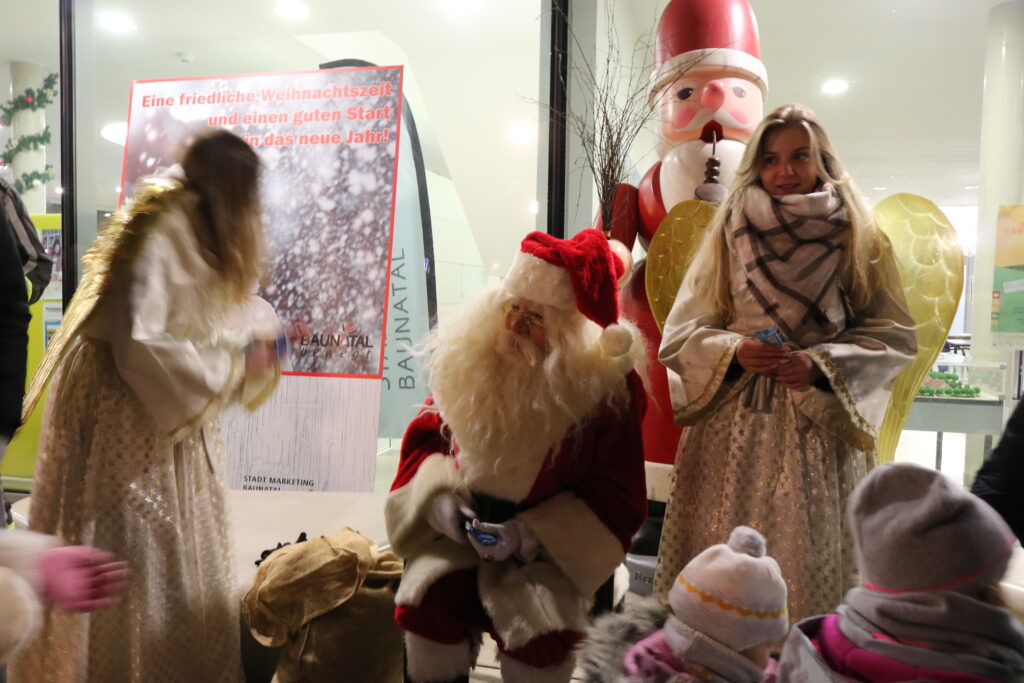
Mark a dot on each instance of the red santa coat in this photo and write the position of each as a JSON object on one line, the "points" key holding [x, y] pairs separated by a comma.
{"points": [[586, 498]]}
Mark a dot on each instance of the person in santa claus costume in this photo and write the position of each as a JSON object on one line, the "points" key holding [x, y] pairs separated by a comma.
{"points": [[707, 89], [521, 481]]}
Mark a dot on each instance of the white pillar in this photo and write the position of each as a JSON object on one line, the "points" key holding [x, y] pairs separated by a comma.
{"points": [[25, 75], [1002, 174]]}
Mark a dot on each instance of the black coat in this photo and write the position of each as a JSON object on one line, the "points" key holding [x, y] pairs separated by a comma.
{"points": [[14, 317], [1000, 481]]}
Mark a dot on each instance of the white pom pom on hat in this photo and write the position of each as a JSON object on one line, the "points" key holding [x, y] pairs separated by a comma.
{"points": [[743, 539], [616, 340]]}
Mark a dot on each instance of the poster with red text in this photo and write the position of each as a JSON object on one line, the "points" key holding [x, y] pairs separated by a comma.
{"points": [[329, 141]]}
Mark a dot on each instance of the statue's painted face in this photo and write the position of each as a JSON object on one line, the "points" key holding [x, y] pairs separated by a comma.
{"points": [[709, 104]]}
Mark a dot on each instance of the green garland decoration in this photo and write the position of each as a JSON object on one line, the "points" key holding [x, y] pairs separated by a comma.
{"points": [[31, 99], [26, 143], [29, 180]]}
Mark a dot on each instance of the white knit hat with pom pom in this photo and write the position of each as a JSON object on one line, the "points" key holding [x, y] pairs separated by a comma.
{"points": [[733, 592]]}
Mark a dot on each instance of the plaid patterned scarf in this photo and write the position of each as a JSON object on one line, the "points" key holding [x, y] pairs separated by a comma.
{"points": [[791, 248]]}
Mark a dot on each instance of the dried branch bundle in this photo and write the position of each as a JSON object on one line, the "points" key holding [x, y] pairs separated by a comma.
{"points": [[615, 108]]}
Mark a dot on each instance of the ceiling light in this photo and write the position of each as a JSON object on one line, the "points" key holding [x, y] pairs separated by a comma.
{"points": [[534, 207], [116, 22], [879, 188], [292, 10], [115, 132], [523, 132], [59, 190], [117, 190], [834, 86], [971, 187]]}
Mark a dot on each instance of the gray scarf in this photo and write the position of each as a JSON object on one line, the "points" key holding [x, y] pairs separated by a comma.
{"points": [[936, 629], [696, 650], [791, 248]]}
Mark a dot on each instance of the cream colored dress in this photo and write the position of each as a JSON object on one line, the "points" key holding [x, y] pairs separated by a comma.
{"points": [[786, 470], [131, 461]]}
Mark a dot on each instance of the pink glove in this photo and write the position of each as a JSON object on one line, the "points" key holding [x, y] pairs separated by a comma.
{"points": [[651, 659], [78, 578]]}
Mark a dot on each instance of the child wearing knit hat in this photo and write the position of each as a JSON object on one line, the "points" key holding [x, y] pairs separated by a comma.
{"points": [[728, 608], [930, 556]]}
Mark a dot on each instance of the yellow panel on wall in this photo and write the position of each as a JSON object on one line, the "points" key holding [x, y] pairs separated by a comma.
{"points": [[20, 458]]}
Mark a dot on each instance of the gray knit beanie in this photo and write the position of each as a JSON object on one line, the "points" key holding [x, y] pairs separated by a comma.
{"points": [[733, 592], [914, 530]]}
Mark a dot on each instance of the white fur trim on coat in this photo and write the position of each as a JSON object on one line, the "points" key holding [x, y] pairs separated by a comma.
{"points": [[408, 531], [529, 600], [21, 613], [19, 550], [430, 554], [749, 66], [537, 280], [576, 539]]}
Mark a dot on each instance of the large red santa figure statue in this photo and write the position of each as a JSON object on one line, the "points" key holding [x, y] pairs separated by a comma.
{"points": [[708, 86], [531, 436]]}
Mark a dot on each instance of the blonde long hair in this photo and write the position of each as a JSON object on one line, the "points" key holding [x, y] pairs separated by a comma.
{"points": [[709, 274], [222, 172]]}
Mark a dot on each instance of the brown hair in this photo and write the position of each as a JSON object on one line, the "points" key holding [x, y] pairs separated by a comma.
{"points": [[222, 170]]}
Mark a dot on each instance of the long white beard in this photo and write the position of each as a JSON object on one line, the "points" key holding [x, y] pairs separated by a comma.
{"points": [[504, 412], [519, 349], [682, 168]]}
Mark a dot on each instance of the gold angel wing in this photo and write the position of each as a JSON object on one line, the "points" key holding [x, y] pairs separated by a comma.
{"points": [[931, 264], [107, 258], [670, 252]]}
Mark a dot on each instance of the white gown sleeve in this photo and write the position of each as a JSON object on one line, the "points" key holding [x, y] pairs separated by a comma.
{"points": [[178, 380], [861, 365], [697, 350], [255, 318]]}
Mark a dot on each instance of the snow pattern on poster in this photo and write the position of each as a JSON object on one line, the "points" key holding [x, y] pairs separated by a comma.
{"points": [[328, 140]]}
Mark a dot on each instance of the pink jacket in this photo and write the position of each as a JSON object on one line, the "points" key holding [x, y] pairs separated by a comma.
{"points": [[817, 650]]}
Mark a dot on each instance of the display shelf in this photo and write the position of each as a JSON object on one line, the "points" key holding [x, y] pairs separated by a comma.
{"points": [[982, 414]]}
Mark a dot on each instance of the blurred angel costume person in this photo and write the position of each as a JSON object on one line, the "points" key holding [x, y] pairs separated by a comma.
{"points": [[781, 433], [161, 335], [532, 434]]}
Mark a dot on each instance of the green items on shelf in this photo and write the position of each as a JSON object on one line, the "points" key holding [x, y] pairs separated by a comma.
{"points": [[947, 384]]}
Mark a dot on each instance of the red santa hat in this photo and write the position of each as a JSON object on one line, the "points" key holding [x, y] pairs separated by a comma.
{"points": [[580, 274], [718, 33]]}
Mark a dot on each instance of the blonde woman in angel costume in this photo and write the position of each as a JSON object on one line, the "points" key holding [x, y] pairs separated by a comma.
{"points": [[779, 434], [162, 334]]}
